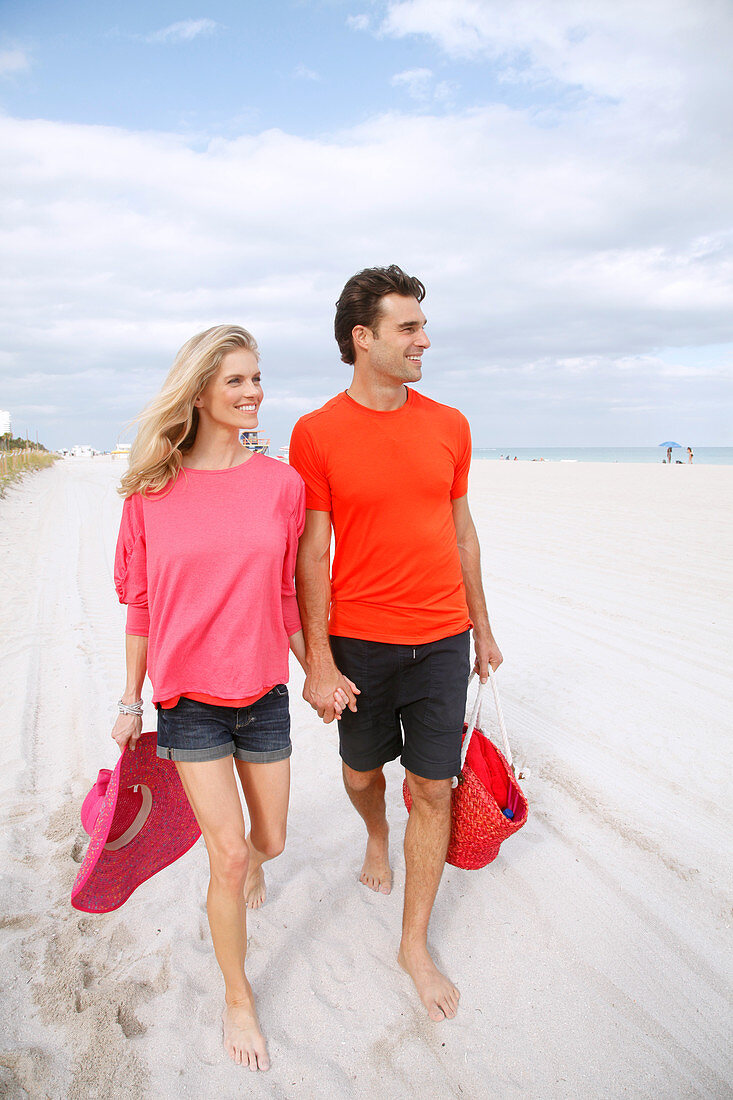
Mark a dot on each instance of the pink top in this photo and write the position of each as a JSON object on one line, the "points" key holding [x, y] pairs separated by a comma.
{"points": [[206, 570]]}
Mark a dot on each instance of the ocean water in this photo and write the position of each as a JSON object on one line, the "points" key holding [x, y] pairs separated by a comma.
{"points": [[703, 456]]}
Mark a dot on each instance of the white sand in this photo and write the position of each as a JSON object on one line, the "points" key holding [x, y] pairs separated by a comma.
{"points": [[591, 955]]}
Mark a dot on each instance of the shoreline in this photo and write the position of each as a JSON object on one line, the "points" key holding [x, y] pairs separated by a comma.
{"points": [[699, 463]]}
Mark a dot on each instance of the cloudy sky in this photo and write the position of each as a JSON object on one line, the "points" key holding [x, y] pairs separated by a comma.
{"points": [[558, 173]]}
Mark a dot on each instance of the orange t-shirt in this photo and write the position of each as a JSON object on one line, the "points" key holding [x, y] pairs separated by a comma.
{"points": [[388, 479]]}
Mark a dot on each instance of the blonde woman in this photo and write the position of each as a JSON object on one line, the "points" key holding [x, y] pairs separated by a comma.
{"points": [[205, 562]]}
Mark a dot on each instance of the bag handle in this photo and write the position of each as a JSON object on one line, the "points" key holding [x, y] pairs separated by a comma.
{"points": [[475, 718]]}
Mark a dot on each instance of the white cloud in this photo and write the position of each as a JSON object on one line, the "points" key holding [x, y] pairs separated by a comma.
{"points": [[421, 86], [418, 83], [184, 31], [662, 49], [302, 72], [13, 61], [358, 22], [445, 92], [461, 27], [561, 260]]}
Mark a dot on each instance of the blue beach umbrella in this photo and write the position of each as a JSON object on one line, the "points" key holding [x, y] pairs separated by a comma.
{"points": [[670, 444]]}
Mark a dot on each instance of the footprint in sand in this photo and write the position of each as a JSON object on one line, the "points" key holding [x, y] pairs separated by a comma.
{"points": [[128, 1021]]}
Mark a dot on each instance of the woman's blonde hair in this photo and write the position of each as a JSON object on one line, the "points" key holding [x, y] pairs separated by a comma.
{"points": [[167, 426]]}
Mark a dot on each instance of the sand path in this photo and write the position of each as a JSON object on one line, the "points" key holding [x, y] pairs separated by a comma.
{"points": [[591, 956]]}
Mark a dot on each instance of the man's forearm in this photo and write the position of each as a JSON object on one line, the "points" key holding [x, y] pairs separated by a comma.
{"points": [[470, 555], [487, 651]]}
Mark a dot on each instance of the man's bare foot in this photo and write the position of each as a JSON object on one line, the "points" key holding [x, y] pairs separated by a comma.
{"points": [[255, 890], [376, 872], [436, 992], [243, 1041]]}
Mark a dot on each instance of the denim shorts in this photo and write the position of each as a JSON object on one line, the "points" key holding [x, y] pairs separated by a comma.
{"points": [[259, 733], [412, 704]]}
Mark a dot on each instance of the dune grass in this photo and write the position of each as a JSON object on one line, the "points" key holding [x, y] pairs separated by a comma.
{"points": [[14, 464]]}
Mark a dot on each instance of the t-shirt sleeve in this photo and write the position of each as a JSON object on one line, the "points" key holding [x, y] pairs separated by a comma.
{"points": [[296, 523], [131, 569], [305, 457], [459, 488]]}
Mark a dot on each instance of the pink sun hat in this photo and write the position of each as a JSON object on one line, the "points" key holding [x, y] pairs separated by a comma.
{"points": [[139, 821]]}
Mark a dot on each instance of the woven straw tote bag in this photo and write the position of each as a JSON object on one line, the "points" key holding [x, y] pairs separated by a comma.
{"points": [[487, 803]]}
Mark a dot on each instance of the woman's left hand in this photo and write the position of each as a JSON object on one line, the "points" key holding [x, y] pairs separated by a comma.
{"points": [[340, 701]]}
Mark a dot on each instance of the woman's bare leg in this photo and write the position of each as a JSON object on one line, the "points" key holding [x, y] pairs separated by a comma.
{"points": [[267, 792], [211, 789]]}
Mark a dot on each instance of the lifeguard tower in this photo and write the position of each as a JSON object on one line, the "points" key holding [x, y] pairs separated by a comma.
{"points": [[255, 442]]}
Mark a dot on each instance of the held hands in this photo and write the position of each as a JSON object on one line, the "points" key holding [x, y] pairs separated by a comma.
{"points": [[329, 692], [487, 653], [127, 730], [341, 698]]}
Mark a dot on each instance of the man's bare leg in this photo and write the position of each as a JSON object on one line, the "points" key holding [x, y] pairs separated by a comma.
{"points": [[366, 791], [426, 842]]}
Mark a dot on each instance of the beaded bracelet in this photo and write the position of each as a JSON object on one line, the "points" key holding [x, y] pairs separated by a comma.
{"points": [[131, 708]]}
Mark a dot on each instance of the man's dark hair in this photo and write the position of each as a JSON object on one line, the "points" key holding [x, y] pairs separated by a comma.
{"points": [[360, 302]]}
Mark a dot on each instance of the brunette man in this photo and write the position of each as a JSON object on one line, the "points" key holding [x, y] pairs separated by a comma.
{"points": [[388, 469]]}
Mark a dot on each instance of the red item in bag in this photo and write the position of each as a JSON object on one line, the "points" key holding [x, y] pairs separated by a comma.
{"points": [[488, 769]]}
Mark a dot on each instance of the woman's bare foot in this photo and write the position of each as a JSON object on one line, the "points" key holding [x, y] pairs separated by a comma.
{"points": [[255, 890], [436, 992], [376, 872], [243, 1041]]}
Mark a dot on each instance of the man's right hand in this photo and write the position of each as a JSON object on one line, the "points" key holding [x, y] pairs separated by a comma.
{"points": [[321, 683]]}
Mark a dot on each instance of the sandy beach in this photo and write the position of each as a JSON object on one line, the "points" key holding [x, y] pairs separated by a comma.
{"points": [[592, 957]]}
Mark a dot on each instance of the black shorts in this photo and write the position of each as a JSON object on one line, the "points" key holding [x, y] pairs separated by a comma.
{"points": [[419, 689]]}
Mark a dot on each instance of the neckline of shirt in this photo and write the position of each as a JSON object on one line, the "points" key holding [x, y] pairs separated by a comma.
{"points": [[224, 470], [380, 412]]}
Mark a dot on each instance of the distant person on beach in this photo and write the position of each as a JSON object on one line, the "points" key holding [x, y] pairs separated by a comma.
{"points": [[387, 469], [689, 454], [205, 563], [669, 455]]}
